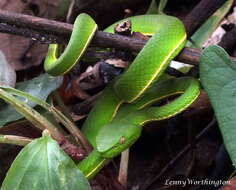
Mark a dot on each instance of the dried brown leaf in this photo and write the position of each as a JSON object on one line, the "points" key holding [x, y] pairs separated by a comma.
{"points": [[23, 53]]}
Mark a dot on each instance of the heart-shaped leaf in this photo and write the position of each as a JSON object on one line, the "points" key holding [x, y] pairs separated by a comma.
{"points": [[218, 77], [42, 165]]}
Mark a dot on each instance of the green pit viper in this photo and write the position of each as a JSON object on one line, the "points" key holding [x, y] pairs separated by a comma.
{"points": [[116, 120]]}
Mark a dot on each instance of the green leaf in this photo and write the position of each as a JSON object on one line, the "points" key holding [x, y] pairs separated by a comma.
{"points": [[205, 31], [63, 8], [154, 9], [42, 165], [219, 80], [40, 87]]}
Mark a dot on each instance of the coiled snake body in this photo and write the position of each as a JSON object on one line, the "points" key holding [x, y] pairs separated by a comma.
{"points": [[116, 120]]}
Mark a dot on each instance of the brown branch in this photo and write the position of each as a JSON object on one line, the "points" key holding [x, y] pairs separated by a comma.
{"points": [[42, 25], [200, 13], [29, 33], [49, 31]]}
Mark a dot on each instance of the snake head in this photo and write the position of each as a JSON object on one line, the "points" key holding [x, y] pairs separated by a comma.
{"points": [[117, 136]]}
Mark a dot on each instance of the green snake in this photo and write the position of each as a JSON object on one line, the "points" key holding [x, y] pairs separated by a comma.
{"points": [[116, 120]]}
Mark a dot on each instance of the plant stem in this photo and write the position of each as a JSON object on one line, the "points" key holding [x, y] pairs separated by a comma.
{"points": [[62, 106], [70, 126], [33, 116], [39, 121], [123, 172], [16, 140]]}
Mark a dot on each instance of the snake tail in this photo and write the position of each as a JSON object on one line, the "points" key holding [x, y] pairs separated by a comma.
{"points": [[83, 32]]}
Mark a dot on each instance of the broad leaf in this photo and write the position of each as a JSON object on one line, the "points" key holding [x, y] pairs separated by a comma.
{"points": [[42, 165], [219, 80], [40, 87]]}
